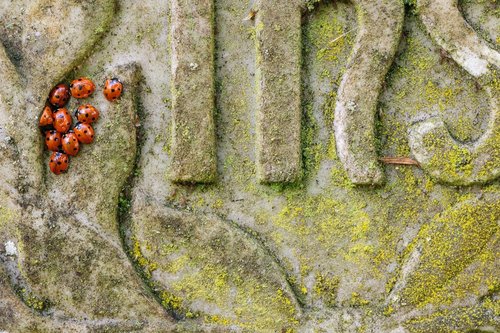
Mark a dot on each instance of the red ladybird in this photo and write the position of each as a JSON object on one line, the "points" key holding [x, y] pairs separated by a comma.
{"points": [[84, 133], [86, 114], [53, 140], [47, 117], [62, 120], [70, 143], [113, 88], [59, 95], [82, 87], [59, 162]]}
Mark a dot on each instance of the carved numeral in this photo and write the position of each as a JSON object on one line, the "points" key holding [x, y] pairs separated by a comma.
{"points": [[380, 26], [278, 27], [193, 144], [446, 159]]}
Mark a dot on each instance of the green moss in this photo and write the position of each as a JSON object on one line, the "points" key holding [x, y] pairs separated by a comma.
{"points": [[6, 216], [461, 319], [312, 151], [325, 288], [32, 301], [449, 244], [357, 301]]}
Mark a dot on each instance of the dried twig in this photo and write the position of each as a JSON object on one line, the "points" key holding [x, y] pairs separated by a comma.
{"points": [[342, 36], [399, 161]]}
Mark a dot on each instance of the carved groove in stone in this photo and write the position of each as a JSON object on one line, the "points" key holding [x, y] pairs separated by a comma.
{"points": [[278, 38], [440, 155], [193, 143], [378, 36]]}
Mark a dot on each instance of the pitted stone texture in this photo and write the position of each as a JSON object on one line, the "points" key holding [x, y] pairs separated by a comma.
{"points": [[344, 250]]}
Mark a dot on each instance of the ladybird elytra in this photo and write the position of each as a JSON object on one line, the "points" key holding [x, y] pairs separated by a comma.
{"points": [[84, 133], [53, 140], [87, 114], [59, 162], [82, 87], [70, 144], [113, 89], [59, 95]]}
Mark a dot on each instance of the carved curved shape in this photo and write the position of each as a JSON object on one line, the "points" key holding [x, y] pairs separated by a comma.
{"points": [[70, 238], [380, 26], [204, 267], [10, 89], [444, 158], [445, 247], [51, 50]]}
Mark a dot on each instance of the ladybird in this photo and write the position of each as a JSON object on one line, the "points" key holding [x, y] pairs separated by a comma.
{"points": [[53, 140], [62, 120], [82, 87], [59, 162], [86, 114], [47, 118], [84, 133], [59, 95], [70, 143], [113, 88]]}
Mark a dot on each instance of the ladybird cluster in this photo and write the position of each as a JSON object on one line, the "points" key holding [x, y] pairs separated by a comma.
{"points": [[56, 122]]}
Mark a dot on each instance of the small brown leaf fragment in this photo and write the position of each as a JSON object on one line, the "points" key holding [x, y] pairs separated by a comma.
{"points": [[399, 161], [251, 15], [443, 56]]}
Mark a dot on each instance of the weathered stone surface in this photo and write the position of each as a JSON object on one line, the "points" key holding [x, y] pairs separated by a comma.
{"points": [[149, 234]]}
